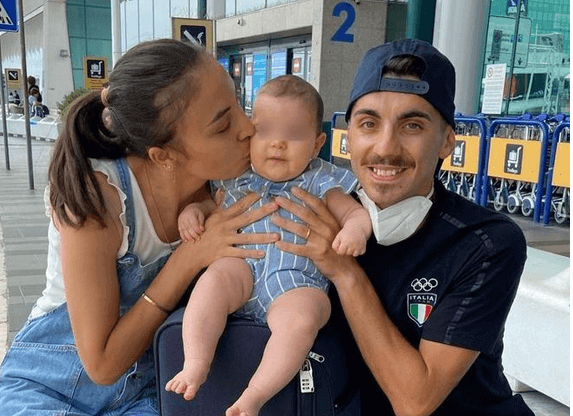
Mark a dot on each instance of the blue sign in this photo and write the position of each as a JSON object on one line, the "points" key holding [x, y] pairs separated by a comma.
{"points": [[8, 16], [259, 71], [278, 63], [224, 62]]}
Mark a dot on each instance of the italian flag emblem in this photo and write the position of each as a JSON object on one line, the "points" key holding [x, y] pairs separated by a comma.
{"points": [[420, 306]]}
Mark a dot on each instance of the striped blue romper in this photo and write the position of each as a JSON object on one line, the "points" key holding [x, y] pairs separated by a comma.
{"points": [[279, 271]]}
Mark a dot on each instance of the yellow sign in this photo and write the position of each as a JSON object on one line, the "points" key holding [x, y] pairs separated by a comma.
{"points": [[13, 78], [338, 148], [465, 156], [96, 73], [196, 31], [514, 159], [562, 165]]}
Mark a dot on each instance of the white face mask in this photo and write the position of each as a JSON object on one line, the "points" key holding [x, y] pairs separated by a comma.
{"points": [[399, 221]]}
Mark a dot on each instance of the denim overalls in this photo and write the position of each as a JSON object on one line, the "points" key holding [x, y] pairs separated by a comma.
{"points": [[42, 373]]}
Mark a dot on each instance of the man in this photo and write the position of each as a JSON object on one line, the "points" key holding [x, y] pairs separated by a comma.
{"points": [[428, 301]]}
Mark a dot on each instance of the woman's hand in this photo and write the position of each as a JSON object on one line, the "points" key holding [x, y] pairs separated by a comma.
{"points": [[222, 232], [320, 230]]}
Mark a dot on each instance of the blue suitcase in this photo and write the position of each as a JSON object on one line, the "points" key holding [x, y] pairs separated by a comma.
{"points": [[325, 374]]}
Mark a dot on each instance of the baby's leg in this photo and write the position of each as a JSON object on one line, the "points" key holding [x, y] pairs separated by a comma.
{"points": [[224, 287], [294, 319]]}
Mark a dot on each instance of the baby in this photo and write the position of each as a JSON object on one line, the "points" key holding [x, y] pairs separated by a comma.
{"points": [[282, 290]]}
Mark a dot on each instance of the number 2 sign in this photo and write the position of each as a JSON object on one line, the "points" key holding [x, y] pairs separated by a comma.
{"points": [[341, 34]]}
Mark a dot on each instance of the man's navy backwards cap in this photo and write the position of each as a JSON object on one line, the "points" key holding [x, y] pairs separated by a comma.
{"points": [[437, 84]]}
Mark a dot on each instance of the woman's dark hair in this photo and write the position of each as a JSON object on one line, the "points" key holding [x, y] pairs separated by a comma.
{"points": [[149, 89]]}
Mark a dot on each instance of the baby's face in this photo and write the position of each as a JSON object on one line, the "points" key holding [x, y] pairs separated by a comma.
{"points": [[286, 138]]}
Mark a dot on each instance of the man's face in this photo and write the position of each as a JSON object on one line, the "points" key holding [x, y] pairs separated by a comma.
{"points": [[395, 141]]}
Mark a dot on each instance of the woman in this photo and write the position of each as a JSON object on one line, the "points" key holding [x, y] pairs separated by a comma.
{"points": [[128, 161]]}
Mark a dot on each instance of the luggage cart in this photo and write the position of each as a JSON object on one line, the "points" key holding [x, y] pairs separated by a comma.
{"points": [[462, 171], [558, 193], [516, 165]]}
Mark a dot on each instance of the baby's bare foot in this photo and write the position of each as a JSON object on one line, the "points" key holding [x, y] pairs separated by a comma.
{"points": [[188, 380], [249, 404]]}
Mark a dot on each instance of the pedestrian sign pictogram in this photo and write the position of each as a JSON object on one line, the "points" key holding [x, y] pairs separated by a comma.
{"points": [[8, 16]]}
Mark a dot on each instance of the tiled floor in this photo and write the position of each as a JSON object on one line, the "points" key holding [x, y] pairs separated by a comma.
{"points": [[23, 238]]}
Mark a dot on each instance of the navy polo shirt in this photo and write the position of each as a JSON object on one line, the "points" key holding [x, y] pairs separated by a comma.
{"points": [[452, 282]]}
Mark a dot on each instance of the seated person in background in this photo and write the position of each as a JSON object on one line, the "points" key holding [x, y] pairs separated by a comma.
{"points": [[282, 290], [35, 106]]}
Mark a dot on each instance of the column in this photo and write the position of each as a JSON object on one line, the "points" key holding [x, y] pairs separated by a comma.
{"points": [[460, 32]]}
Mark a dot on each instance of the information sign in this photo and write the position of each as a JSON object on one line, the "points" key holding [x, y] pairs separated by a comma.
{"points": [[494, 82], [13, 78], [95, 72], [197, 31]]}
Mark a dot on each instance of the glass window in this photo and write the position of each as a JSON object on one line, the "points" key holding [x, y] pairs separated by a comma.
{"points": [[537, 78], [76, 20], [244, 6], [230, 9], [77, 52], [161, 20], [131, 23], [98, 23], [98, 3], [179, 8], [96, 47], [145, 20]]}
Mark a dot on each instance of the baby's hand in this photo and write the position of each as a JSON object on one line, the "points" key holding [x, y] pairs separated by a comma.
{"points": [[191, 223], [350, 241]]}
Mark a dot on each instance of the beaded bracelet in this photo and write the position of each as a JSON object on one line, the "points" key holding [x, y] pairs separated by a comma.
{"points": [[157, 305]]}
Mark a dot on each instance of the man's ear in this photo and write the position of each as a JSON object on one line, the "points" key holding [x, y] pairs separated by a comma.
{"points": [[320, 139], [449, 143], [162, 157]]}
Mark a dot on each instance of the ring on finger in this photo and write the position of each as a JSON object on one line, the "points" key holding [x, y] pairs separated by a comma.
{"points": [[307, 233]]}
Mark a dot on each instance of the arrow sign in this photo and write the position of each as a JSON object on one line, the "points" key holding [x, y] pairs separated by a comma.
{"points": [[8, 16]]}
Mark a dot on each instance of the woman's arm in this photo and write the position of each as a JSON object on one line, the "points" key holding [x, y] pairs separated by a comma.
{"points": [[416, 381], [107, 343]]}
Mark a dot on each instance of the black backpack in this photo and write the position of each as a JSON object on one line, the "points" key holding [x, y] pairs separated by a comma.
{"points": [[324, 388]]}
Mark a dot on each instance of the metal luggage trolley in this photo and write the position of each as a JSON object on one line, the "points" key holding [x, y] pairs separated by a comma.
{"points": [[516, 165], [462, 171], [558, 193], [338, 150]]}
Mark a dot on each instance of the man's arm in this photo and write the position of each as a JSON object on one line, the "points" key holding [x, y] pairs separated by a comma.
{"points": [[416, 381]]}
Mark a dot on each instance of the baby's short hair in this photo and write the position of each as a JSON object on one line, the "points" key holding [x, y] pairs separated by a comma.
{"points": [[296, 87]]}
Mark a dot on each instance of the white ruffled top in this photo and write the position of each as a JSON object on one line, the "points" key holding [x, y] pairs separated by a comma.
{"points": [[147, 245]]}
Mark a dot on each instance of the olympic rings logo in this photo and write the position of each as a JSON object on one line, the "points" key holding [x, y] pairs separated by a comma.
{"points": [[424, 284]]}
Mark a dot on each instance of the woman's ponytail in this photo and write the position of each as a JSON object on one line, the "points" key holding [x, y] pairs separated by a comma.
{"points": [[74, 192]]}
